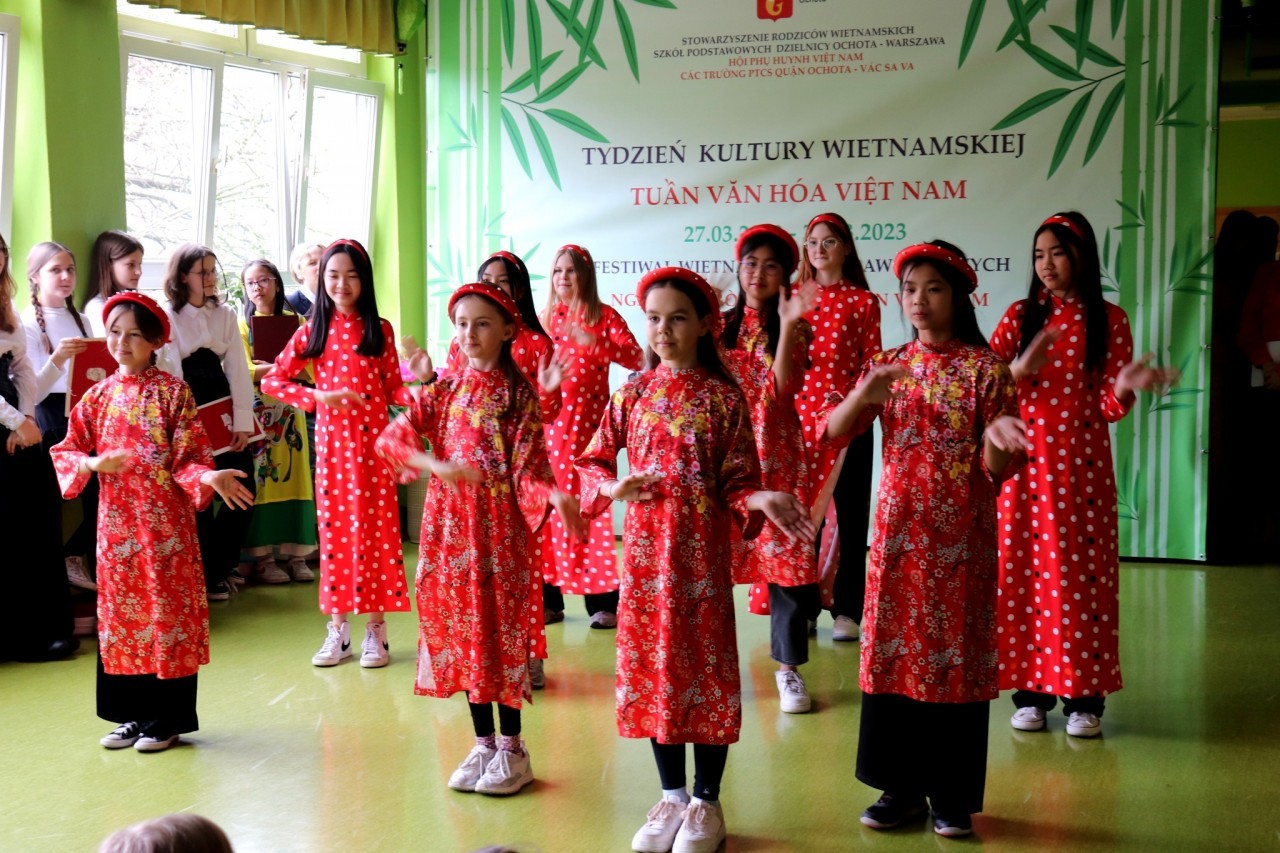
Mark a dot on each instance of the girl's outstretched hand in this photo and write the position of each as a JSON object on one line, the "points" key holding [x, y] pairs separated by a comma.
{"points": [[1036, 354], [786, 512], [452, 474], [1009, 434], [633, 487], [551, 371], [877, 386], [1141, 376], [227, 484], [803, 297], [416, 357], [337, 399], [109, 462], [570, 513]]}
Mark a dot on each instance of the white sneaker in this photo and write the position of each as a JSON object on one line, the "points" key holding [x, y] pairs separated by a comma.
{"points": [[845, 630], [702, 830], [792, 692], [374, 651], [660, 827], [336, 647], [537, 674], [506, 773], [122, 736], [300, 571], [267, 570], [1081, 724], [471, 768], [603, 620], [1028, 719], [78, 575]]}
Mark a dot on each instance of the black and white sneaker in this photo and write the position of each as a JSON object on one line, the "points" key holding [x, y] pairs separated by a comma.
{"points": [[155, 742], [890, 811], [953, 826], [336, 647], [122, 736]]}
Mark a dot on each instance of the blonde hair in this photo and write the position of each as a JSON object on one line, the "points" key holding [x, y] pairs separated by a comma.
{"points": [[174, 833], [41, 254], [8, 288], [586, 304], [296, 256]]}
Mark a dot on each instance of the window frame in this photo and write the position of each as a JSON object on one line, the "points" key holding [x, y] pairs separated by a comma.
{"points": [[11, 29]]}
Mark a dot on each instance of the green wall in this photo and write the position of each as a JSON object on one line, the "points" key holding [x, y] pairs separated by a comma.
{"points": [[1248, 172]]}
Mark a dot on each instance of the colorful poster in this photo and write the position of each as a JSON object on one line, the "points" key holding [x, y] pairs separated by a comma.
{"points": [[654, 132]]}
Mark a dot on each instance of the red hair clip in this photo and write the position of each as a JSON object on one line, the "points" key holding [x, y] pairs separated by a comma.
{"points": [[834, 221], [1065, 222], [494, 294], [577, 250], [343, 241]]}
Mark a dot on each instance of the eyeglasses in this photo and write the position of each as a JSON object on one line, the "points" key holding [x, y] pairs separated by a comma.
{"points": [[827, 243], [204, 273], [768, 267], [259, 282]]}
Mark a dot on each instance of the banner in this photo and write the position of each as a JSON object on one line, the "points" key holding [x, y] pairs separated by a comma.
{"points": [[654, 132]]}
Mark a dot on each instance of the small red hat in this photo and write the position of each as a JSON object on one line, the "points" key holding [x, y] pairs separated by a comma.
{"points": [[143, 300], [1065, 222], [666, 273], [577, 250], [774, 231], [507, 256], [491, 292], [836, 223], [930, 252]]}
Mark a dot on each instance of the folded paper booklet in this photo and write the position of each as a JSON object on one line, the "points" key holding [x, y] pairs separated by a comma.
{"points": [[86, 369], [270, 334], [218, 419]]}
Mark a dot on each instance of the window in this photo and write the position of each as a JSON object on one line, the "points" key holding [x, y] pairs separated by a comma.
{"points": [[247, 154], [8, 91]]}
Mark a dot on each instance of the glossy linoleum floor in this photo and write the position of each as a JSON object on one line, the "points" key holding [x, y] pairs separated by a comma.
{"points": [[295, 758]]}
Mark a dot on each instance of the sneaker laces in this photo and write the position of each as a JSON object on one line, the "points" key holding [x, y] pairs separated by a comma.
{"points": [[375, 637], [792, 682], [333, 641], [664, 811], [696, 816]]}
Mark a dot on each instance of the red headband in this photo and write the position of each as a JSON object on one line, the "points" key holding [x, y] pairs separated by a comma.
{"points": [[774, 231], [577, 250], [928, 251], [508, 257], [830, 219], [667, 273], [140, 299], [494, 294], [343, 241], [1059, 219]]}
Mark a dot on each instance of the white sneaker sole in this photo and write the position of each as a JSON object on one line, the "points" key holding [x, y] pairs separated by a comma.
{"points": [[375, 663], [156, 745], [1029, 725], [319, 661], [506, 790], [1093, 731], [796, 707]]}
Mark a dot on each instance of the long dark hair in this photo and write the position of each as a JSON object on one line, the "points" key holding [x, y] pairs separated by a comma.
{"points": [[964, 319], [110, 247], [181, 261], [278, 306], [521, 289], [851, 271], [708, 350], [1086, 276], [41, 254], [515, 377], [373, 341], [769, 313]]}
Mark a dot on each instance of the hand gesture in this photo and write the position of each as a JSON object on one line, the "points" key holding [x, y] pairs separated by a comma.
{"points": [[452, 474], [228, 486], [786, 513], [1007, 433], [416, 357], [1141, 376], [551, 371], [239, 441], [26, 435], [570, 513], [110, 462], [1036, 354], [634, 486], [803, 298], [877, 386], [1271, 376], [337, 399], [66, 348]]}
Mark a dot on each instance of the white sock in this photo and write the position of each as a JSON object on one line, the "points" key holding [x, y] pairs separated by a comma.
{"points": [[697, 800], [676, 795]]}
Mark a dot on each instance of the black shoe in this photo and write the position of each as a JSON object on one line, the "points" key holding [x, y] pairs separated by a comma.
{"points": [[221, 591], [890, 811], [953, 826], [56, 650]]}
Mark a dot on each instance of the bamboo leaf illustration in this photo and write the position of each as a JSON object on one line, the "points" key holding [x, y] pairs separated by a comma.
{"points": [[1129, 209], [517, 141], [588, 42], [535, 42], [474, 122], [1160, 95], [1117, 15], [661, 4], [1020, 19], [431, 259], [544, 149], [575, 124], [1069, 130], [557, 88], [575, 9], [1032, 106], [1179, 122], [1106, 249], [971, 24], [1142, 205], [1180, 100], [1033, 8], [573, 29], [1103, 122], [1050, 63], [509, 29], [458, 127], [1127, 490], [1176, 399], [526, 79], [628, 35], [1084, 18], [1095, 54]]}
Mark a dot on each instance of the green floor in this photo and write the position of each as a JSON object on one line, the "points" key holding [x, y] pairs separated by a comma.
{"points": [[291, 757]]}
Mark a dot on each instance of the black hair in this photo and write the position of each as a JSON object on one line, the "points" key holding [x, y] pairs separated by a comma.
{"points": [[181, 261], [1086, 277], [964, 319], [515, 378], [521, 290], [147, 322], [708, 350], [278, 306], [373, 341], [769, 313]]}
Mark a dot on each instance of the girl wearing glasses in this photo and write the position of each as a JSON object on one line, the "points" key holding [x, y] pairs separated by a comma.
{"points": [[766, 348], [846, 333], [284, 518], [206, 341]]}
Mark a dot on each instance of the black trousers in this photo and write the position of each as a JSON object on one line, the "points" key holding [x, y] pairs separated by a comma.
{"points": [[161, 706], [925, 749], [708, 767], [482, 719], [53, 428], [790, 608], [553, 599], [852, 497], [1045, 702]]}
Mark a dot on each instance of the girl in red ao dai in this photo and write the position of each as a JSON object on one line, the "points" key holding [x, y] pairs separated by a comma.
{"points": [[490, 494], [766, 348], [694, 472], [948, 413], [1072, 356]]}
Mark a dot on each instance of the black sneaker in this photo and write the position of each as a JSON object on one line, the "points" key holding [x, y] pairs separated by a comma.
{"points": [[890, 811], [953, 826], [122, 736], [220, 591]]}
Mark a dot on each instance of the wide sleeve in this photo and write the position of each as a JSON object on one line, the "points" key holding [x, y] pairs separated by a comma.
{"points": [[392, 380], [279, 382], [599, 462], [24, 379], [402, 439], [1008, 334], [1119, 354], [81, 441], [621, 344], [997, 398], [861, 423], [739, 475], [530, 468], [192, 454], [868, 335], [238, 376]]}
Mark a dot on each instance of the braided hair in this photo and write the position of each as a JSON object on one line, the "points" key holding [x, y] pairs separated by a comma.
{"points": [[41, 254]]}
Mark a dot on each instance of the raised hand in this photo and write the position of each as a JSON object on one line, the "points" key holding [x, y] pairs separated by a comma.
{"points": [[1007, 433], [337, 399], [416, 357], [1037, 354], [877, 386], [633, 487], [1141, 376], [109, 462], [786, 512], [453, 474], [228, 486], [570, 513], [551, 371], [803, 297]]}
